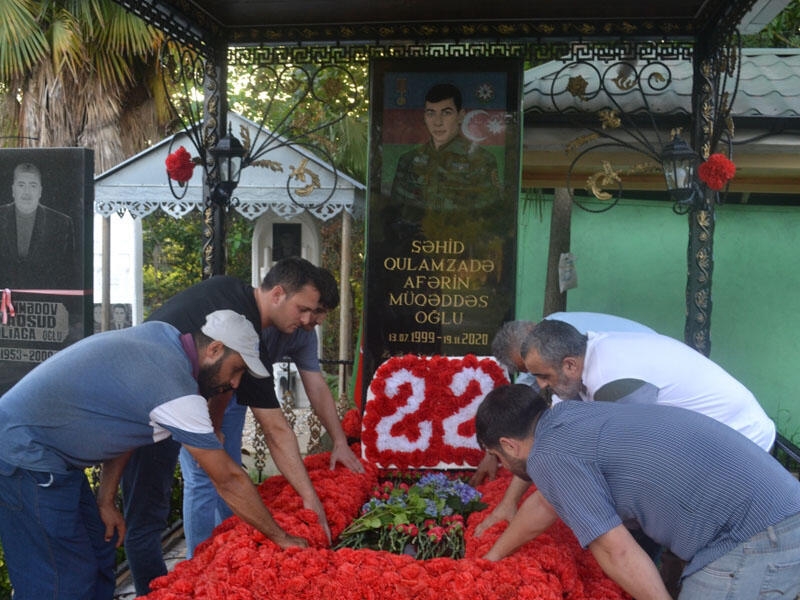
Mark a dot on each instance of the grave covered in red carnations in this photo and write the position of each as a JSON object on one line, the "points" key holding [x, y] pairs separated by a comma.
{"points": [[425, 406]]}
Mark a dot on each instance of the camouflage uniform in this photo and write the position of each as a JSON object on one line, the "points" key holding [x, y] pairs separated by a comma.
{"points": [[459, 175]]}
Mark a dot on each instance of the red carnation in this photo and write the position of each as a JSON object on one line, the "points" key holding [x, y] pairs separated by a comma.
{"points": [[180, 165], [716, 171], [351, 424]]}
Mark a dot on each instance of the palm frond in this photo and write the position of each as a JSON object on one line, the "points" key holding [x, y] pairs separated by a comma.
{"points": [[66, 43], [22, 42]]}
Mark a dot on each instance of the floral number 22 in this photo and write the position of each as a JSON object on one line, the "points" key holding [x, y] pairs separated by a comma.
{"points": [[420, 410]]}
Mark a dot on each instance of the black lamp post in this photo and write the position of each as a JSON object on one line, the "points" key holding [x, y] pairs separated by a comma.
{"points": [[228, 154], [679, 162]]}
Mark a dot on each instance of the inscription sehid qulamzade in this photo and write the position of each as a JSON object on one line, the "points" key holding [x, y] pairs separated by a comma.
{"points": [[442, 209]]}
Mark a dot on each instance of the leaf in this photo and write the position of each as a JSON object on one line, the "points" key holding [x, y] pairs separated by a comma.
{"points": [[268, 164], [401, 518], [373, 522]]}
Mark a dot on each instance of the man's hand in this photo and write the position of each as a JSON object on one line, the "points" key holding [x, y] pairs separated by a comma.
{"points": [[110, 475], [290, 541], [502, 512], [285, 452], [343, 454], [113, 521], [487, 469], [240, 494], [317, 507]]}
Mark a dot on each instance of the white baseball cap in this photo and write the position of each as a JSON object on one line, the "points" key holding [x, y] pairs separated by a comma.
{"points": [[238, 334]]}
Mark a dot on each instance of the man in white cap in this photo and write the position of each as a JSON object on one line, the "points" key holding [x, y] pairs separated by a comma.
{"points": [[92, 403]]}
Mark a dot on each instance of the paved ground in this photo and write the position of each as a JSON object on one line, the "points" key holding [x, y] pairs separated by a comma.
{"points": [[174, 552]]}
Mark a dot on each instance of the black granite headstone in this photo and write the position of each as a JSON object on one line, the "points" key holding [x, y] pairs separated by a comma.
{"points": [[442, 206], [46, 254]]}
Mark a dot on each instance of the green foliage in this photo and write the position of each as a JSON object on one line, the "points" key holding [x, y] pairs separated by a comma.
{"points": [[97, 56], [331, 232], [350, 142], [5, 584], [173, 251], [332, 381], [296, 101], [782, 32]]}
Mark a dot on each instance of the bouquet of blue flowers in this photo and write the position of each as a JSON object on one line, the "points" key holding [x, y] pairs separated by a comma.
{"points": [[425, 519]]}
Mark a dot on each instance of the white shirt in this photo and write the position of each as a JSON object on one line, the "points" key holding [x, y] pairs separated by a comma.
{"points": [[684, 378]]}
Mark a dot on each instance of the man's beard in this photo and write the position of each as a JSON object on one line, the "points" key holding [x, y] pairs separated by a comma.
{"points": [[518, 467], [208, 382], [567, 389]]}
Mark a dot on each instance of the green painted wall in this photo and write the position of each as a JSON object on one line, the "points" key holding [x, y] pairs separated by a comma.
{"points": [[631, 261]]}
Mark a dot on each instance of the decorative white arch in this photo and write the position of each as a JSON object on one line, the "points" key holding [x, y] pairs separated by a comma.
{"points": [[139, 186]]}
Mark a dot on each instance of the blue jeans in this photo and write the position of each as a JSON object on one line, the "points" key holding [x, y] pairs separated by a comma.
{"points": [[765, 566], [52, 536], [146, 489], [203, 508]]}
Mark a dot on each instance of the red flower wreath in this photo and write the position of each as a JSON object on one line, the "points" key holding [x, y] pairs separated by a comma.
{"points": [[420, 410], [180, 165], [716, 171]]}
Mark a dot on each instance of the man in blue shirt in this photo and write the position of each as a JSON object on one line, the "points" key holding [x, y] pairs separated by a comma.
{"points": [[694, 485], [95, 402]]}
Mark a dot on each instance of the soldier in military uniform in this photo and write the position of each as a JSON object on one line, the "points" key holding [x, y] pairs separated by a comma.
{"points": [[446, 190], [449, 171]]}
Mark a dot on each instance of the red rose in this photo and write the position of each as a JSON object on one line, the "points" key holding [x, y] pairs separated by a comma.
{"points": [[180, 165], [716, 171]]}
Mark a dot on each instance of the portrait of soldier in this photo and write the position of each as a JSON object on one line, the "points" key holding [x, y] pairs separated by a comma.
{"points": [[448, 171]]}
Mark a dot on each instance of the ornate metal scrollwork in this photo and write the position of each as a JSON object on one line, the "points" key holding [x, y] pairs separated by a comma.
{"points": [[612, 99], [716, 84], [183, 76], [299, 100], [615, 99]]}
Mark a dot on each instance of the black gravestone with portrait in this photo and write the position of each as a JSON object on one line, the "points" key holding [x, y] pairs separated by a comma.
{"points": [[287, 240], [46, 252], [443, 190]]}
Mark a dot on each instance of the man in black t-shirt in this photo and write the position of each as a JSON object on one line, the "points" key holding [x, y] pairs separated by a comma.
{"points": [[287, 300]]}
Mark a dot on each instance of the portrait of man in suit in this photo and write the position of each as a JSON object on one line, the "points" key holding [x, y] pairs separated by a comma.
{"points": [[120, 318], [37, 243]]}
